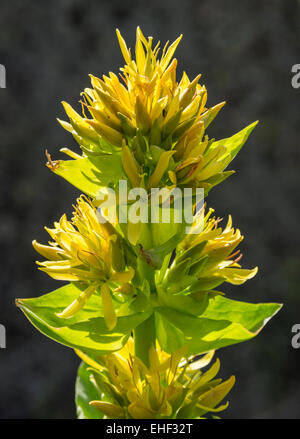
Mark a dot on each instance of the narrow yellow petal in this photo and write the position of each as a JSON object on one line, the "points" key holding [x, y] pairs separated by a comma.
{"points": [[125, 289], [70, 153], [202, 362], [214, 396], [123, 47], [122, 277], [110, 134], [161, 167], [101, 117], [143, 119], [49, 252], [108, 308], [113, 411], [139, 53], [66, 125], [238, 276], [170, 52], [134, 232], [188, 94], [206, 377], [78, 303], [71, 112], [139, 412], [130, 166], [88, 360], [172, 176]]}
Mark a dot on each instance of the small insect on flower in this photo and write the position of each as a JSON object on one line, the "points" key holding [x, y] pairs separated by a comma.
{"points": [[87, 251], [171, 387]]}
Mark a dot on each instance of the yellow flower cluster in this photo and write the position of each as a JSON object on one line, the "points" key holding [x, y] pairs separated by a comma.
{"points": [[208, 253], [158, 123], [87, 250], [171, 387]]}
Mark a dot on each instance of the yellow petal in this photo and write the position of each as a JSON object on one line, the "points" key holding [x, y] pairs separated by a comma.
{"points": [[139, 412], [123, 277], [113, 136], [134, 232], [214, 396], [88, 360], [206, 377], [112, 411], [160, 169], [170, 52], [125, 289], [202, 362], [47, 251], [238, 276], [172, 176], [66, 125], [174, 363], [78, 303], [143, 119], [139, 53], [108, 308], [79, 124], [123, 47], [130, 166], [70, 153]]}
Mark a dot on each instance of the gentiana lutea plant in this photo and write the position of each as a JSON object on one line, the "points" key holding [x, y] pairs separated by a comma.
{"points": [[144, 307]]}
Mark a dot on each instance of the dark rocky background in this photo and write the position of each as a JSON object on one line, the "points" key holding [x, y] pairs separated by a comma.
{"points": [[245, 51]]}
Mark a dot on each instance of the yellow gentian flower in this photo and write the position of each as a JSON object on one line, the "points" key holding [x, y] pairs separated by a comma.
{"points": [[88, 251], [207, 257], [167, 388], [157, 121]]}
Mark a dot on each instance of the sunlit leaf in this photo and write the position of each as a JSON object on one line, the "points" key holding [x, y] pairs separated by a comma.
{"points": [[210, 325], [87, 329], [234, 143], [90, 174]]}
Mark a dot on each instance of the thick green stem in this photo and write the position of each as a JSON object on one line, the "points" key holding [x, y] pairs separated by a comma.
{"points": [[144, 338], [144, 334]]}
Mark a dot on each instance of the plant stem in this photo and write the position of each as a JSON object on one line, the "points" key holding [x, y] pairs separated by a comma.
{"points": [[144, 334], [144, 338]]}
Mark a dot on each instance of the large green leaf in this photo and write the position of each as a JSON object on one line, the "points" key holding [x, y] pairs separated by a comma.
{"points": [[87, 329], [252, 316], [211, 324], [90, 174], [85, 392]]}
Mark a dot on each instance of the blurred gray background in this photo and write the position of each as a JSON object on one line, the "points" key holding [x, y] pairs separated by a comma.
{"points": [[245, 51]]}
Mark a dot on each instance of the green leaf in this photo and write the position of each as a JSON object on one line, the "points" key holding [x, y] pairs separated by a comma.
{"points": [[234, 143], [168, 334], [210, 325], [86, 330], [217, 179], [90, 174], [252, 316], [85, 392]]}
